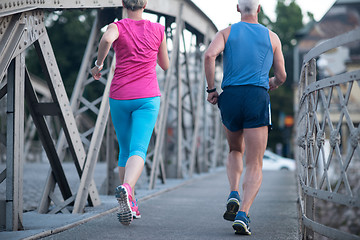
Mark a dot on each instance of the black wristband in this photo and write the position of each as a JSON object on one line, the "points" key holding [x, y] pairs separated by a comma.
{"points": [[210, 90]]}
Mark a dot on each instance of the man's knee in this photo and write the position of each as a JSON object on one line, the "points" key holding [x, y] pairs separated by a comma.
{"points": [[254, 164], [236, 150]]}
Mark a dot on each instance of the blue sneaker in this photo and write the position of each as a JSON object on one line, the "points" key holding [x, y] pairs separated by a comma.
{"points": [[232, 206], [241, 224]]}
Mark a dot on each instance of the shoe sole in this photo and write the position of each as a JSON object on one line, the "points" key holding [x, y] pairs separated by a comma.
{"points": [[136, 216], [241, 228], [232, 207], [125, 214]]}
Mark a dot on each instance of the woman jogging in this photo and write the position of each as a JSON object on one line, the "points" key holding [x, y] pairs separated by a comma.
{"points": [[134, 94]]}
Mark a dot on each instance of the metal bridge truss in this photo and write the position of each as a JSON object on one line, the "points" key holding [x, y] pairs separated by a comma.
{"points": [[187, 136], [327, 114]]}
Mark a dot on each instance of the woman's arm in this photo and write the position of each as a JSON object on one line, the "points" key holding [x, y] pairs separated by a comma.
{"points": [[162, 57], [107, 39]]}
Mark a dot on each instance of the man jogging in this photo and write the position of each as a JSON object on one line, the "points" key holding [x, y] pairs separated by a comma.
{"points": [[249, 51]]}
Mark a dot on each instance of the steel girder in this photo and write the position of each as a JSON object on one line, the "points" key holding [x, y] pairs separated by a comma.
{"points": [[23, 30], [192, 15]]}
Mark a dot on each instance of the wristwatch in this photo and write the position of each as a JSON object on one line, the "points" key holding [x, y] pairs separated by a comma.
{"points": [[210, 90]]}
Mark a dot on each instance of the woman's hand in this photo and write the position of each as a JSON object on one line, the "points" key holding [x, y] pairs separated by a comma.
{"points": [[95, 72]]}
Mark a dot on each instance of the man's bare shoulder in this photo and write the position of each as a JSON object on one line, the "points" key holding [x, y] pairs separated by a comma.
{"points": [[226, 30], [274, 36], [225, 33]]}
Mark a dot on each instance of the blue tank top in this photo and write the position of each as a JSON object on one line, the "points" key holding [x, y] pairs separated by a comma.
{"points": [[248, 56]]}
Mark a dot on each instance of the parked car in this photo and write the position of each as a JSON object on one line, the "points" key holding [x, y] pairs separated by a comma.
{"points": [[272, 161]]}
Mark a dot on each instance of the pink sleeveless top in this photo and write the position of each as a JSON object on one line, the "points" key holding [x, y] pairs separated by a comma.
{"points": [[136, 54]]}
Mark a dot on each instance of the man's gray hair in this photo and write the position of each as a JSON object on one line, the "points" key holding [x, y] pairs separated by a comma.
{"points": [[248, 6], [134, 4]]}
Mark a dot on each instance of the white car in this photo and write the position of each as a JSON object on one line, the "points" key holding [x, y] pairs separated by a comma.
{"points": [[272, 161]]}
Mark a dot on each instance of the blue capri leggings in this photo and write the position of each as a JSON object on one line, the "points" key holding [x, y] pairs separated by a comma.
{"points": [[134, 121]]}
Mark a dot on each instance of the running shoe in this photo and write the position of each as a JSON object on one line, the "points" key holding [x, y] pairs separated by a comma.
{"points": [[135, 209], [232, 206], [241, 224], [124, 198]]}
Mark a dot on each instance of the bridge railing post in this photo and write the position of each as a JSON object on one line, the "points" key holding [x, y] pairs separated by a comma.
{"points": [[310, 77]]}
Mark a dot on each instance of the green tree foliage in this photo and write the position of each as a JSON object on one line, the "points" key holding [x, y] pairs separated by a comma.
{"points": [[68, 32], [264, 19], [289, 20]]}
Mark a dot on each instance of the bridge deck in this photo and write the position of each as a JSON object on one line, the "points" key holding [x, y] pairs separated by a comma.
{"points": [[190, 211]]}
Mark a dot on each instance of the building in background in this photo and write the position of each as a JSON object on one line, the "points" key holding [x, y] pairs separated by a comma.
{"points": [[342, 17]]}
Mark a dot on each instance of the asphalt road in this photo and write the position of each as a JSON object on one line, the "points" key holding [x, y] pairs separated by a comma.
{"points": [[194, 211]]}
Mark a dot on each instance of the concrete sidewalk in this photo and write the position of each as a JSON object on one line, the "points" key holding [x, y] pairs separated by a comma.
{"points": [[194, 210]]}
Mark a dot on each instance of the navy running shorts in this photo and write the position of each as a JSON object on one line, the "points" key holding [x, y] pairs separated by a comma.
{"points": [[244, 107]]}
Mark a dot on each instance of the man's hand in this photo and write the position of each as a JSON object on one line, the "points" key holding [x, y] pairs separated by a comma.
{"points": [[213, 97], [272, 84]]}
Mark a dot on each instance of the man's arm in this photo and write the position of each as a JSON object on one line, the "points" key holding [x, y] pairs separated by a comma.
{"points": [[278, 63], [214, 49]]}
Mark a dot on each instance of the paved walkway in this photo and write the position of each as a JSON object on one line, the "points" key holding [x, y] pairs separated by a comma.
{"points": [[194, 211]]}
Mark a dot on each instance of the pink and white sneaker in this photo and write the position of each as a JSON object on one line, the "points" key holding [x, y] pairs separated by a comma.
{"points": [[124, 198], [135, 210]]}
